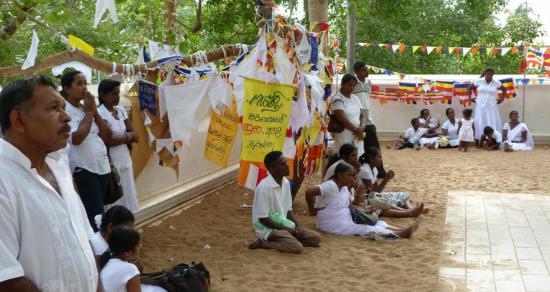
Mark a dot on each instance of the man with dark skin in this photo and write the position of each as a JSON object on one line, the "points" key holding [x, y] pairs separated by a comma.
{"points": [[276, 227], [44, 231]]}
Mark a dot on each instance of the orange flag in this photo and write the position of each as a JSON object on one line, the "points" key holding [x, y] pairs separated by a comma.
{"points": [[438, 50], [402, 48]]}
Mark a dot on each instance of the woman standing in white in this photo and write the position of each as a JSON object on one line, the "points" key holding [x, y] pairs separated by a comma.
{"points": [[346, 107], [516, 135], [486, 111], [123, 134], [450, 128], [333, 205]]}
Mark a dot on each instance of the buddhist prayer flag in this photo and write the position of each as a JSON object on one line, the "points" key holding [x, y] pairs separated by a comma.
{"points": [[81, 45], [534, 58], [546, 63]]}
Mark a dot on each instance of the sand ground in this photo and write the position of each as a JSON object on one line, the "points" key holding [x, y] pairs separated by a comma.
{"points": [[341, 263]]}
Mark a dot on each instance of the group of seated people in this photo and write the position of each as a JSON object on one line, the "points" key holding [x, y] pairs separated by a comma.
{"points": [[460, 133], [350, 201]]}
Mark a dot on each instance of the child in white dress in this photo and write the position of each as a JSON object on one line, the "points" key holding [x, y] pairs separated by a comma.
{"points": [[116, 216], [466, 130]]}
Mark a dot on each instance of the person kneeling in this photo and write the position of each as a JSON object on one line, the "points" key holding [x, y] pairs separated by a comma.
{"points": [[276, 227], [490, 139]]}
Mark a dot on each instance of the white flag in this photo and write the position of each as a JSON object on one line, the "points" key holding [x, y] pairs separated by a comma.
{"points": [[33, 50], [503, 51], [430, 49], [100, 7], [395, 47], [465, 51]]}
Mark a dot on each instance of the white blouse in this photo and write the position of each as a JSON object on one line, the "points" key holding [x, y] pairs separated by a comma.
{"points": [[119, 154], [351, 107], [452, 130], [91, 154], [486, 92]]}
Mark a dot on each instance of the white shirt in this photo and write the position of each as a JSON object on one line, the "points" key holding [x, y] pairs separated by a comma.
{"points": [[270, 197], [44, 235], [116, 274], [351, 107], [99, 245], [497, 136], [367, 173], [91, 154], [432, 124], [329, 194], [362, 91], [330, 171], [119, 154], [452, 130], [413, 136], [486, 93]]}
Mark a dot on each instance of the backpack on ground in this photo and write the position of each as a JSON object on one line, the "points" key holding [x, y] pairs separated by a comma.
{"points": [[180, 278]]}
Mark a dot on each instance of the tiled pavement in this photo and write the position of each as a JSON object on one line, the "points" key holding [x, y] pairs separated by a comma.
{"points": [[496, 242]]}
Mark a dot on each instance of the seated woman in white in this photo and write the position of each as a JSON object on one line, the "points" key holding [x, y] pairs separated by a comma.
{"points": [[450, 128], [333, 202], [427, 121], [516, 135]]}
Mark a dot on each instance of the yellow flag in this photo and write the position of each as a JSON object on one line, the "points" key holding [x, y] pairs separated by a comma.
{"points": [[81, 45], [221, 135], [266, 114], [451, 50], [489, 51], [415, 48]]}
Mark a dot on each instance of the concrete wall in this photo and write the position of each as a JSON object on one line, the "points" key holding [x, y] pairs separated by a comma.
{"points": [[394, 117]]}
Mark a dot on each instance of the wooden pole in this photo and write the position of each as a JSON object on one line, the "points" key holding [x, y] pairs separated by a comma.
{"points": [[350, 42]]}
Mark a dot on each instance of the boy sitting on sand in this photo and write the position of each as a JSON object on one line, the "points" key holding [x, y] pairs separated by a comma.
{"points": [[490, 139], [412, 135], [276, 227]]}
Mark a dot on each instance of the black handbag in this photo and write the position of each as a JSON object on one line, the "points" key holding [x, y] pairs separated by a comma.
{"points": [[180, 278], [334, 126], [114, 191]]}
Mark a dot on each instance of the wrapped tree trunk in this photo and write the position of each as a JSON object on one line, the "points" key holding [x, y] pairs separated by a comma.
{"points": [[350, 44]]}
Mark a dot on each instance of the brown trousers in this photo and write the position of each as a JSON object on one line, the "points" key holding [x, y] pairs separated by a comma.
{"points": [[283, 241]]}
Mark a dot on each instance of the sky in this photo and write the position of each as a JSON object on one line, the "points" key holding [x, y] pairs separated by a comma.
{"points": [[539, 8]]}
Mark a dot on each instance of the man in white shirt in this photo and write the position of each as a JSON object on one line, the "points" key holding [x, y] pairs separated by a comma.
{"points": [[491, 139], [412, 135], [44, 231], [363, 90], [272, 218]]}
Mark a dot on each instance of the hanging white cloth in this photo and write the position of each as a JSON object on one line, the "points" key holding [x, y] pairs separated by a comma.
{"points": [[86, 71], [100, 7], [33, 50]]}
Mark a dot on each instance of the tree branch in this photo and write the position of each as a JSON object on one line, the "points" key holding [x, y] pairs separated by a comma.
{"points": [[198, 20], [11, 28], [106, 66]]}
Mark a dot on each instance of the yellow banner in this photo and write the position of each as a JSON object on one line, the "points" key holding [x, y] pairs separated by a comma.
{"points": [[266, 114], [221, 135], [81, 45]]}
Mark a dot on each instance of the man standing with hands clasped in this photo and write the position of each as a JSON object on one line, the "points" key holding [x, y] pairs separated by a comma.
{"points": [[275, 225], [362, 90]]}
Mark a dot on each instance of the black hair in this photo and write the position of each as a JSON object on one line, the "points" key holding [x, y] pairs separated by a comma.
{"points": [[347, 78], [488, 130], [271, 158], [467, 112], [514, 111], [104, 87], [449, 109], [123, 239], [422, 110], [358, 66], [342, 167], [116, 215], [369, 154], [17, 95], [66, 80], [414, 121], [488, 69], [344, 151]]}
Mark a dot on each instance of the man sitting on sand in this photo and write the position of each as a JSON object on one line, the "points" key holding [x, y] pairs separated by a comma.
{"points": [[412, 135], [276, 227], [490, 139]]}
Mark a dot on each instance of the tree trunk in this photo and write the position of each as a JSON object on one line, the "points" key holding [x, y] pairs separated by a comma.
{"points": [[169, 23], [350, 44], [317, 13]]}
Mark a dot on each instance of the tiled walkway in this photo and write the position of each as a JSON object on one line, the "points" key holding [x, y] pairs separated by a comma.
{"points": [[496, 242]]}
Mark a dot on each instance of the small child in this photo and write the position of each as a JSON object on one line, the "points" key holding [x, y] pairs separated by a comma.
{"points": [[118, 269], [115, 216], [491, 139], [412, 135], [466, 130]]}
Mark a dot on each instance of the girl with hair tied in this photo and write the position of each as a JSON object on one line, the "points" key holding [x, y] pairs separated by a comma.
{"points": [[115, 216], [118, 270], [123, 136]]}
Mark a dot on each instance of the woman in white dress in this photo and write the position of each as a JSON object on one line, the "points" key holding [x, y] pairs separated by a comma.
{"points": [[517, 136], [123, 135], [431, 139], [346, 108], [333, 202], [486, 111], [450, 128]]}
